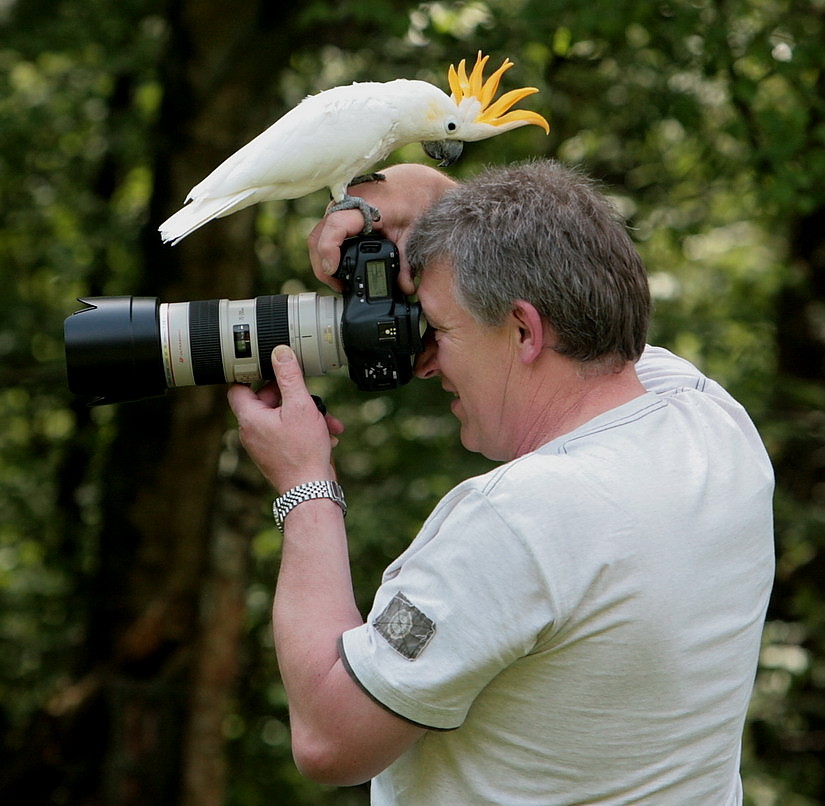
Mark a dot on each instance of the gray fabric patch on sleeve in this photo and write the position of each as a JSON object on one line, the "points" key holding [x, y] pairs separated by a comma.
{"points": [[405, 628]]}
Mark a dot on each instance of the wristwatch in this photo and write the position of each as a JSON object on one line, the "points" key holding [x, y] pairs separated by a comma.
{"points": [[307, 492]]}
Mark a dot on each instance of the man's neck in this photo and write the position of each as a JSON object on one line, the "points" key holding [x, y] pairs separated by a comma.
{"points": [[568, 397]]}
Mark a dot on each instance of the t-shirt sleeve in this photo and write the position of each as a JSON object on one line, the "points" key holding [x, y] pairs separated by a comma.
{"points": [[461, 604]]}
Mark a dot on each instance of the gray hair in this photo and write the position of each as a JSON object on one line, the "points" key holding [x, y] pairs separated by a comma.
{"points": [[541, 232]]}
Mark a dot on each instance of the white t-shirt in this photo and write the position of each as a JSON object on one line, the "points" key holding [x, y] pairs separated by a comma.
{"points": [[582, 625]]}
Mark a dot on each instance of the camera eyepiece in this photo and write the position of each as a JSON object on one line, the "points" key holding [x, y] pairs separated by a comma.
{"points": [[127, 348]]}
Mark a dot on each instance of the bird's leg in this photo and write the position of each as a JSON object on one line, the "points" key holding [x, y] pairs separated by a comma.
{"points": [[370, 213], [371, 177]]}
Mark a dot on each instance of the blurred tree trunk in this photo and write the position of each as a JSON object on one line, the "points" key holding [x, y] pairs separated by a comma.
{"points": [[796, 747], [170, 603]]}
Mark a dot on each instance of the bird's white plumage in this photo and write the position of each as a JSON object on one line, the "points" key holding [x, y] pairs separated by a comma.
{"points": [[326, 141]]}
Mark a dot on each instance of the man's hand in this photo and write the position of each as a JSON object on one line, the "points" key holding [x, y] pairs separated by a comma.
{"points": [[405, 193], [281, 428]]}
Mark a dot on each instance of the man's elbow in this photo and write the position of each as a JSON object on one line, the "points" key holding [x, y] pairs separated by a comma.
{"points": [[327, 762], [351, 746]]}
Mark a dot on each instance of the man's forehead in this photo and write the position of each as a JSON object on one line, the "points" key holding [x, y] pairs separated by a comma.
{"points": [[441, 267], [435, 288]]}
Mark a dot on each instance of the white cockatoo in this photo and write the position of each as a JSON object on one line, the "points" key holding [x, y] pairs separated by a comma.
{"points": [[334, 137]]}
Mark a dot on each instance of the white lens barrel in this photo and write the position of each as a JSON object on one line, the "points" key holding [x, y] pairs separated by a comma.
{"points": [[227, 340], [315, 332], [173, 319], [239, 341]]}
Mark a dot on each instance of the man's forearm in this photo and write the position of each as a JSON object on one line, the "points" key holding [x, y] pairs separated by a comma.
{"points": [[339, 735], [314, 601]]}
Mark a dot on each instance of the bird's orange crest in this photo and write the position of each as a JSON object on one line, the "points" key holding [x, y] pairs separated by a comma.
{"points": [[494, 113]]}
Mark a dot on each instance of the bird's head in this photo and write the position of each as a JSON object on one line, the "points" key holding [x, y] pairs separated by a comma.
{"points": [[479, 114]]}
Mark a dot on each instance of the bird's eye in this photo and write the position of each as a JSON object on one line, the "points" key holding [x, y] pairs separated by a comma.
{"points": [[452, 126]]}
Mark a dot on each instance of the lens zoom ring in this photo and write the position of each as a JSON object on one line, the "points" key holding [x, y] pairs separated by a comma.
{"points": [[205, 342], [272, 319]]}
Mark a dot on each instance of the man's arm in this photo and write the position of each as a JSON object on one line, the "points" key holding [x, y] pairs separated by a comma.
{"points": [[339, 735]]}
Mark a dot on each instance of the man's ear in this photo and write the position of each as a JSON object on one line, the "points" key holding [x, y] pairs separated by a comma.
{"points": [[530, 330]]}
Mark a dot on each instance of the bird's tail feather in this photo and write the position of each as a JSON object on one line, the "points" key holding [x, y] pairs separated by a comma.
{"points": [[196, 213]]}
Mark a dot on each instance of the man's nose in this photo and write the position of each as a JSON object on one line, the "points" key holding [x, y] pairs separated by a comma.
{"points": [[426, 363]]}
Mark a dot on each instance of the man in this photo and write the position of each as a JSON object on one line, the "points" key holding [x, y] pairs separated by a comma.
{"points": [[580, 625]]}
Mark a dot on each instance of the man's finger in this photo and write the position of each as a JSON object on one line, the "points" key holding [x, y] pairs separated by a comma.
{"points": [[325, 241], [241, 397], [288, 374]]}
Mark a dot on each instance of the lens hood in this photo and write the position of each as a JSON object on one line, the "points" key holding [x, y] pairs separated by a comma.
{"points": [[113, 349]]}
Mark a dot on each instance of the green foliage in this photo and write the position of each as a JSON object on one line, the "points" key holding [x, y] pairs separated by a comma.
{"points": [[55, 103], [706, 121]]}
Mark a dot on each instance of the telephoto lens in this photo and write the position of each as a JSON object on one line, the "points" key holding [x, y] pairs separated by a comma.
{"points": [[127, 348]]}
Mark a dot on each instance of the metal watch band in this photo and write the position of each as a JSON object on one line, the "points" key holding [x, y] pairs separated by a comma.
{"points": [[306, 492]]}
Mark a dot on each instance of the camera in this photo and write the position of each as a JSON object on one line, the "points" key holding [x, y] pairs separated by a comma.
{"points": [[127, 348]]}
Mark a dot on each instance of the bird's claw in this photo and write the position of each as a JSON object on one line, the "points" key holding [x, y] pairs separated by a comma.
{"points": [[370, 213]]}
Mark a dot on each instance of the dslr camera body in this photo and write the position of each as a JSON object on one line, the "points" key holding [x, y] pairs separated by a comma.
{"points": [[128, 348]]}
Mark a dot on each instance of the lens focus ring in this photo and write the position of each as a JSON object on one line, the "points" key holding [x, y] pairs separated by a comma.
{"points": [[272, 320], [205, 342]]}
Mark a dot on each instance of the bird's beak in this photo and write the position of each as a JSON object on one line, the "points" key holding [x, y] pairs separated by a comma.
{"points": [[446, 152]]}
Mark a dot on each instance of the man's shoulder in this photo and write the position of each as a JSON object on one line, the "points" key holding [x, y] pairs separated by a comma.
{"points": [[534, 477]]}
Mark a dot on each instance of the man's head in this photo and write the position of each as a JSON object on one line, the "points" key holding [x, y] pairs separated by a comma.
{"points": [[543, 233]]}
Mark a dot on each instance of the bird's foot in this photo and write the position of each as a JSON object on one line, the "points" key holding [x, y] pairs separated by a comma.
{"points": [[370, 213], [371, 177]]}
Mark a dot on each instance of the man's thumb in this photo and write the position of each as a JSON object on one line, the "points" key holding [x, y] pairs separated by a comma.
{"points": [[286, 368]]}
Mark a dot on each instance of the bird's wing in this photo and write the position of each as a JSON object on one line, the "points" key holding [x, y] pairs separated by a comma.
{"points": [[325, 140]]}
